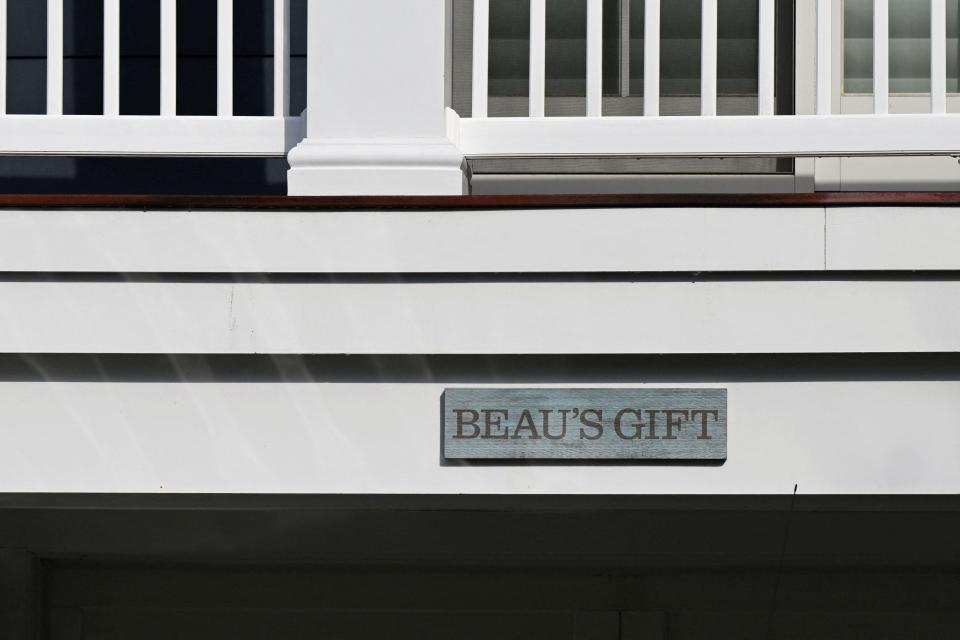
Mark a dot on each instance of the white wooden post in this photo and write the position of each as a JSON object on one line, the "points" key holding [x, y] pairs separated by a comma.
{"points": [[376, 102]]}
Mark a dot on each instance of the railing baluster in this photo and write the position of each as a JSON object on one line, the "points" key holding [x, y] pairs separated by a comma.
{"points": [[168, 57], [481, 57], [824, 57], [3, 57], [651, 58], [538, 58], [281, 58], [708, 66], [224, 58], [594, 58], [54, 57], [111, 57], [881, 56], [938, 56], [766, 92]]}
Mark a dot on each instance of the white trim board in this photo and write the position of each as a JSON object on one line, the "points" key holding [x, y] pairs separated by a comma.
{"points": [[273, 437], [694, 136], [614, 240], [148, 135], [500, 317], [584, 240]]}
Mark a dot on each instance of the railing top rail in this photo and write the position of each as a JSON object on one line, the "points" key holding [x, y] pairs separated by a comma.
{"points": [[826, 132]]}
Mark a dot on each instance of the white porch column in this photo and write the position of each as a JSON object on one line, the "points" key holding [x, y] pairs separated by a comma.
{"points": [[376, 114]]}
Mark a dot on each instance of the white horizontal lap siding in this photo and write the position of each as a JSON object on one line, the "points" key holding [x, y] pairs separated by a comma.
{"points": [[770, 316], [273, 437], [505, 241], [881, 238], [147, 135], [848, 135], [524, 241]]}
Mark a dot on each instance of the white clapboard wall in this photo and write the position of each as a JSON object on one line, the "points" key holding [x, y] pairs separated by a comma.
{"points": [[693, 289]]}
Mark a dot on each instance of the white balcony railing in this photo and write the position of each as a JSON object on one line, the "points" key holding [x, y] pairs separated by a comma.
{"points": [[763, 134], [375, 99], [167, 133]]}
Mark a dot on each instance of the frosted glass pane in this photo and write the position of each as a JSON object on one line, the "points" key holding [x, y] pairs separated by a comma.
{"points": [[909, 46], [566, 48]]}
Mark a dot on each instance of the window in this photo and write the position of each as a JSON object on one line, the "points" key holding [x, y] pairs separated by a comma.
{"points": [[909, 46]]}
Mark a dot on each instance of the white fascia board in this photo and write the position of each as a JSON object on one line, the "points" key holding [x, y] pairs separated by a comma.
{"points": [[894, 238], [723, 136], [503, 241], [148, 135], [831, 437], [500, 317]]}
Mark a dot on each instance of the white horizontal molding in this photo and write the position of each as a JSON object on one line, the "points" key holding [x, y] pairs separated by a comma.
{"points": [[509, 317], [584, 240], [274, 437], [148, 135], [694, 136], [376, 166], [881, 238]]}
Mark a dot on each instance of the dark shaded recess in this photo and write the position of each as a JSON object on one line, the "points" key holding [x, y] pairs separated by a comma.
{"points": [[157, 201], [479, 567], [140, 57], [428, 567], [26, 56], [475, 369], [196, 58], [83, 57], [168, 176]]}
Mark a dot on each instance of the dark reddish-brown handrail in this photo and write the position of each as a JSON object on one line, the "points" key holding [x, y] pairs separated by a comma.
{"points": [[326, 203]]}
